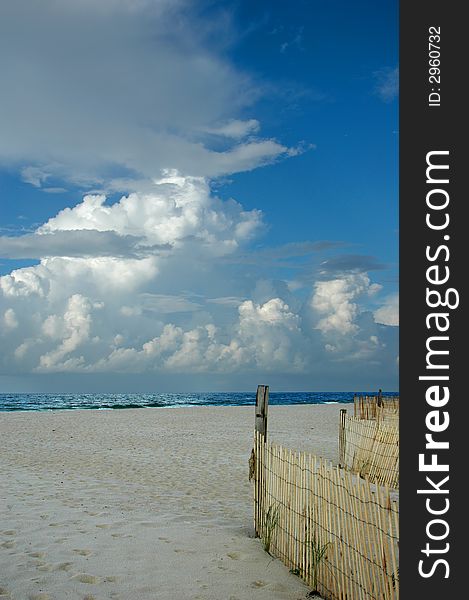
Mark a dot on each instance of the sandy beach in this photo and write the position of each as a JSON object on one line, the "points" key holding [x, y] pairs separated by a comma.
{"points": [[143, 504]]}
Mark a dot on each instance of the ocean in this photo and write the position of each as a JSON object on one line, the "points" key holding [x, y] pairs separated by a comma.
{"points": [[46, 402]]}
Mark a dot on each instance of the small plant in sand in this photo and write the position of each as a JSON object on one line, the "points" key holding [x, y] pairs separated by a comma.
{"points": [[364, 469], [318, 553], [270, 525]]}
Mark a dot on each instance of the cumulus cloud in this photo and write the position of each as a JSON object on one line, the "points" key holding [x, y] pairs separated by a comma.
{"points": [[334, 301], [75, 325], [54, 276], [164, 299], [272, 333], [177, 223], [264, 336], [388, 314], [97, 92], [175, 210]]}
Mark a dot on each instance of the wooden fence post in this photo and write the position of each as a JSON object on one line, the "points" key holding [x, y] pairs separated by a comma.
{"points": [[262, 405], [343, 414]]}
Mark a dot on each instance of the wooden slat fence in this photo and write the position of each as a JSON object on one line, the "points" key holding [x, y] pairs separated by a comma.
{"points": [[303, 507], [370, 448], [371, 407], [388, 415]]}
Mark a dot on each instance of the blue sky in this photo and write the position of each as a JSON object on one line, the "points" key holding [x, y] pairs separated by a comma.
{"points": [[248, 154]]}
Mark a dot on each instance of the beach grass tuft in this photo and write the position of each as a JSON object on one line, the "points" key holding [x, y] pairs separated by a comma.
{"points": [[318, 553], [270, 525]]}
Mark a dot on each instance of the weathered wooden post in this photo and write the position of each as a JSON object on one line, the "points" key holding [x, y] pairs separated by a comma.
{"points": [[343, 415], [380, 397], [258, 456], [262, 406]]}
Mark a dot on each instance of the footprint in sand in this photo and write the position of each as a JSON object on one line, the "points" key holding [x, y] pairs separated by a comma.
{"points": [[38, 563], [258, 584], [236, 556], [41, 596], [85, 578], [4, 593], [103, 526], [89, 597], [45, 567], [37, 554], [9, 544], [65, 566], [9, 532], [81, 552]]}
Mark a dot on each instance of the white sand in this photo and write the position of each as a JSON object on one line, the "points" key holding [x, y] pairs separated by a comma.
{"points": [[142, 503]]}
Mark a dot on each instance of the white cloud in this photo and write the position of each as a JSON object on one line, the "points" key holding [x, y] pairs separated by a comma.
{"points": [[76, 326], [177, 208], [171, 302], [265, 336], [334, 301], [388, 314], [56, 276], [272, 334], [23, 282]]}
